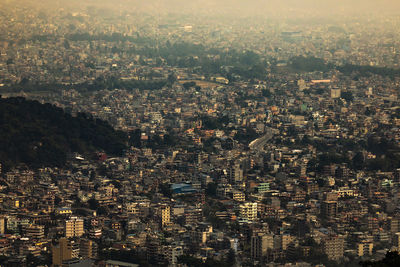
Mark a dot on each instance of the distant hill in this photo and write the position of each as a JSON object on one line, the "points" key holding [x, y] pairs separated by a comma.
{"points": [[43, 134]]}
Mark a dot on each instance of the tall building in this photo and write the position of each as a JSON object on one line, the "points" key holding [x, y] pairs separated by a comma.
{"points": [[302, 84], [88, 249], [176, 252], [369, 92], [333, 247], [236, 174], [364, 248], [74, 227], [248, 211], [35, 231], [286, 240], [329, 170], [64, 251], [153, 247], [301, 169], [335, 93], [193, 215], [201, 233], [171, 254], [396, 241], [329, 209], [2, 225], [95, 233], [165, 215], [396, 176], [238, 196], [373, 224], [260, 244], [342, 172]]}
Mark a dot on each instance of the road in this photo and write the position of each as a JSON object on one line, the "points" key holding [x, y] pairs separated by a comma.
{"points": [[259, 143]]}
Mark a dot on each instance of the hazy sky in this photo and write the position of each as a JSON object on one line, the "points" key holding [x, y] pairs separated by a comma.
{"points": [[270, 6], [248, 7], [320, 4]]}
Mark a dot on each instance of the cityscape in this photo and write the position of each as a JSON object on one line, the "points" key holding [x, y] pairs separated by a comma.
{"points": [[212, 133]]}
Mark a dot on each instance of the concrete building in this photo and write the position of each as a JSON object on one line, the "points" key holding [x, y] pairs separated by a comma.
{"points": [[364, 248], [238, 196], [395, 225], [88, 249], [171, 254], [35, 231], [329, 209], [2, 225], [248, 211], [74, 227], [65, 250], [335, 92], [260, 244], [236, 174], [165, 215], [333, 247], [396, 241]]}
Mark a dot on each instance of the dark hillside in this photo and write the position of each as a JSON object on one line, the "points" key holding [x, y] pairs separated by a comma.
{"points": [[42, 134]]}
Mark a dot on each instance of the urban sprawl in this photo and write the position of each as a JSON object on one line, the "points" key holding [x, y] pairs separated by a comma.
{"points": [[253, 142]]}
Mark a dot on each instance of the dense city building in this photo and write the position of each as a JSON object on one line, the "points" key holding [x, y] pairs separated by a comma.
{"points": [[177, 139]]}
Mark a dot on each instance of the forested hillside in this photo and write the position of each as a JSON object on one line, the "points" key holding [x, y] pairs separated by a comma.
{"points": [[42, 134]]}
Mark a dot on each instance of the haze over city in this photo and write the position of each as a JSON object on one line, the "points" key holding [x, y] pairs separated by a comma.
{"points": [[251, 7]]}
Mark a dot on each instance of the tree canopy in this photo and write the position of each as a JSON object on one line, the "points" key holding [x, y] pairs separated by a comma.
{"points": [[43, 134]]}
